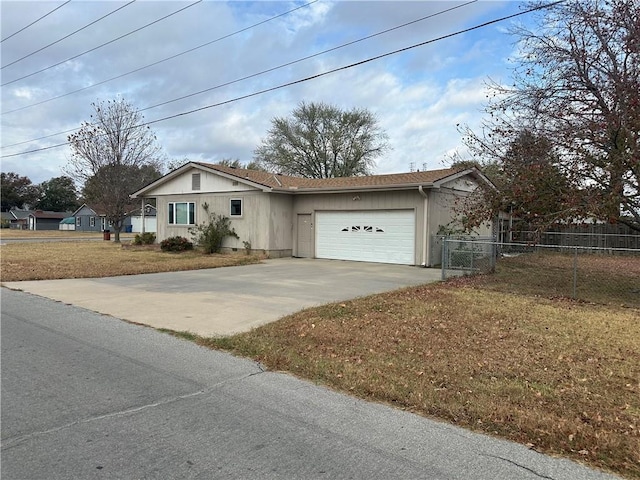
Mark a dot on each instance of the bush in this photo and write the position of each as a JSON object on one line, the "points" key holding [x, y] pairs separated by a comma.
{"points": [[146, 238], [175, 244], [210, 235]]}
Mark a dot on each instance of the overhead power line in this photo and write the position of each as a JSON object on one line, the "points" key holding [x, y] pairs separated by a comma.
{"points": [[67, 36], [268, 70], [319, 75], [368, 37], [34, 22], [161, 61], [102, 45], [218, 39]]}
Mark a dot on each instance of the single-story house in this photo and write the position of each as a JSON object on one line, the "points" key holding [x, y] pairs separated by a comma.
{"points": [[379, 218], [91, 219], [34, 219], [88, 219]]}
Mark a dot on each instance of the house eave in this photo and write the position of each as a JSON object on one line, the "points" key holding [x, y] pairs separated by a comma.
{"points": [[352, 189]]}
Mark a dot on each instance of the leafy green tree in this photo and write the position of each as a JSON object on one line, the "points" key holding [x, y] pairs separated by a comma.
{"points": [[58, 194], [114, 155], [322, 141], [17, 191]]}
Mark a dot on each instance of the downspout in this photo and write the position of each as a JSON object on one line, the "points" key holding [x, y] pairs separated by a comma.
{"points": [[425, 226]]}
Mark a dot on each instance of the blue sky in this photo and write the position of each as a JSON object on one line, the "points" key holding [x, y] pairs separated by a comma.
{"points": [[418, 96]]}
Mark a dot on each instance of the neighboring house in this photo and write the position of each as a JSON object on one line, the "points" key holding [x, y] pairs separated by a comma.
{"points": [[33, 219], [89, 219], [380, 218], [19, 219], [45, 220], [150, 224]]}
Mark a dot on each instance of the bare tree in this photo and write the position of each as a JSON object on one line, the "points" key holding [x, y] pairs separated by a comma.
{"points": [[322, 141], [114, 155], [577, 84]]}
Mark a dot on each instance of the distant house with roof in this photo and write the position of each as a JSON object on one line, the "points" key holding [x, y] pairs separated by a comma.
{"points": [[378, 218], [86, 219], [33, 219], [92, 219]]}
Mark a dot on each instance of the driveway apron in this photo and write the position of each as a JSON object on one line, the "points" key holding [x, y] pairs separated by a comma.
{"points": [[224, 301]]}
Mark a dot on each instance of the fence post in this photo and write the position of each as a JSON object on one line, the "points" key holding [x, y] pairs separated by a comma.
{"points": [[575, 273]]}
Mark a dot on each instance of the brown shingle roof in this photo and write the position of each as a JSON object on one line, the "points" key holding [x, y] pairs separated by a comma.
{"points": [[286, 182]]}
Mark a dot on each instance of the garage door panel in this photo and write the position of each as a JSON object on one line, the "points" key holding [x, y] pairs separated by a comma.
{"points": [[386, 236]]}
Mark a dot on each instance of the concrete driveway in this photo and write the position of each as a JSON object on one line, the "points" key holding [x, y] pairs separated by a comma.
{"points": [[224, 301]]}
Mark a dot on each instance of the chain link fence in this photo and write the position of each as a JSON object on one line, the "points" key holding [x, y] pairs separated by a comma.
{"points": [[578, 239], [591, 274]]}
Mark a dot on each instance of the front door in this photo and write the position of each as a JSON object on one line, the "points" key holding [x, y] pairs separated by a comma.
{"points": [[304, 236]]}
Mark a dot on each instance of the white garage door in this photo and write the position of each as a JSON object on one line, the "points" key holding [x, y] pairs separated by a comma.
{"points": [[384, 236]]}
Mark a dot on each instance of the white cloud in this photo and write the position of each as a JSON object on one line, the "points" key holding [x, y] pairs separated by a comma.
{"points": [[418, 96]]}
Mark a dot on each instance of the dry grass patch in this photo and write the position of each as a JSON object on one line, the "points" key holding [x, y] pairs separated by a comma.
{"points": [[88, 259], [11, 233], [604, 279], [560, 376]]}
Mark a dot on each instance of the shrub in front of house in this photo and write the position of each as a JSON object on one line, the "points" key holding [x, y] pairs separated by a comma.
{"points": [[175, 244], [147, 238], [210, 234]]}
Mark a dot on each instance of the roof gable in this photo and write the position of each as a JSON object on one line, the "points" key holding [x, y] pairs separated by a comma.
{"points": [[84, 210]]}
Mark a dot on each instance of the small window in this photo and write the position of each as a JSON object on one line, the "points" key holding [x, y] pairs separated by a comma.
{"points": [[195, 181], [345, 229], [92, 221], [236, 207], [78, 221], [355, 228], [182, 213], [368, 228], [379, 230]]}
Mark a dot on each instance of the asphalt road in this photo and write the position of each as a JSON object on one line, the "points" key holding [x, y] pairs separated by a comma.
{"points": [[89, 396]]}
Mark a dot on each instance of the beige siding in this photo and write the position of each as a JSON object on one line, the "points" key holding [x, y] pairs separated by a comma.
{"points": [[281, 224], [442, 212], [209, 182], [265, 221]]}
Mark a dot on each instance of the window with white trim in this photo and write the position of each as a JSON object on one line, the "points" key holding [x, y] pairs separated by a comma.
{"points": [[92, 221], [235, 209], [182, 213]]}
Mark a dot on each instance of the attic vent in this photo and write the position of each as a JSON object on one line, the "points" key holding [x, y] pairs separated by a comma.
{"points": [[195, 181], [234, 183]]}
